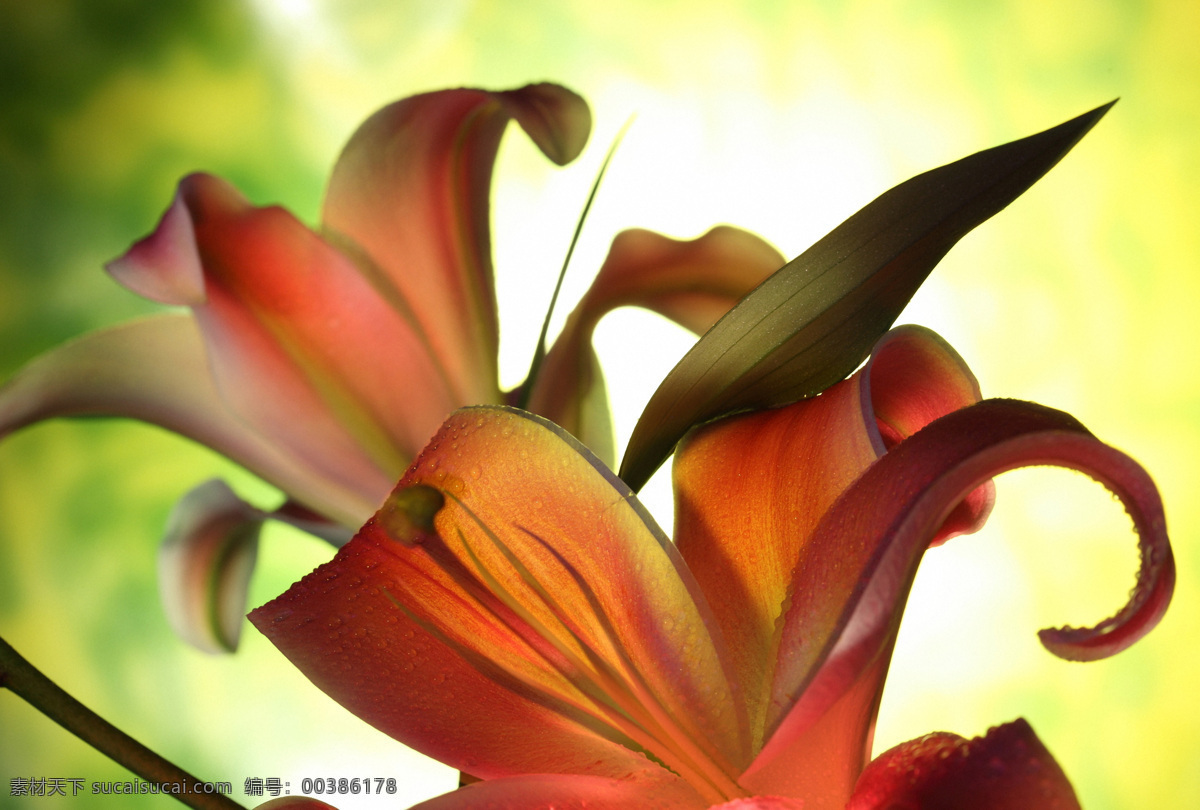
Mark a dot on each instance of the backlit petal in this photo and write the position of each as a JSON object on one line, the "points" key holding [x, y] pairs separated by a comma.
{"points": [[693, 282], [156, 370], [750, 489], [654, 791], [548, 626], [204, 565], [850, 588], [410, 190], [1008, 769], [303, 347], [165, 266]]}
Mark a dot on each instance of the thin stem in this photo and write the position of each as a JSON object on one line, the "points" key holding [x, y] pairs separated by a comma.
{"points": [[539, 353], [25, 680]]}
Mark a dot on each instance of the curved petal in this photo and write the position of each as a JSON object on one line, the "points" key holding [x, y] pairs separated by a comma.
{"points": [[410, 190], [156, 370], [165, 266], [1008, 769], [302, 346], [207, 557], [547, 626], [693, 282], [204, 565], [750, 489], [849, 591], [570, 391], [661, 791]]}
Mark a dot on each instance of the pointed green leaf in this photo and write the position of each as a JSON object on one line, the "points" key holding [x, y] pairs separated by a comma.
{"points": [[815, 320]]}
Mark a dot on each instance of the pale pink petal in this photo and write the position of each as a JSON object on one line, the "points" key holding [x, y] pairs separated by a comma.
{"points": [[204, 565], [410, 191], [165, 266], [156, 370], [1009, 769]]}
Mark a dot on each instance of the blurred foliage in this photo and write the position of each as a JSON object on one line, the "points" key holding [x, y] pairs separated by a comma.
{"points": [[778, 116]]}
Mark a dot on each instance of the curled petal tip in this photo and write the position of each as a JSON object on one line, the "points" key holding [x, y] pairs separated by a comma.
{"points": [[165, 266], [873, 537], [1155, 584], [558, 120], [1147, 603], [205, 563]]}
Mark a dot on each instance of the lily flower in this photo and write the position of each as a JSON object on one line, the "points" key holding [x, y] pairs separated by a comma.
{"points": [[323, 360], [515, 612]]}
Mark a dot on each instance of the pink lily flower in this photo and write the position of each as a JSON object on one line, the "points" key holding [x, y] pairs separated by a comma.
{"points": [[514, 611], [323, 360]]}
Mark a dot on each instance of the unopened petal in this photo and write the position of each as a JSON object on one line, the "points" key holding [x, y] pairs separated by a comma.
{"points": [[1008, 769], [205, 563]]}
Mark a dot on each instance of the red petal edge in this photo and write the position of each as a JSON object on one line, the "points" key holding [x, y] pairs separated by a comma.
{"points": [[1008, 769], [868, 546]]}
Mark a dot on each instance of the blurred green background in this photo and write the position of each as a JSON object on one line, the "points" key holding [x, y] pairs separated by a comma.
{"points": [[783, 117]]}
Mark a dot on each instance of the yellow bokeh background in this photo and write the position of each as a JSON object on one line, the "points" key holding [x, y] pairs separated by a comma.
{"points": [[782, 117]]}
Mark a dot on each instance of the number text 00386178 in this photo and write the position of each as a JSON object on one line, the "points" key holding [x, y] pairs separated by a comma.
{"points": [[319, 785]]}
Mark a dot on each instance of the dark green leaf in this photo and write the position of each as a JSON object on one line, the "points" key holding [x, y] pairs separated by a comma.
{"points": [[812, 322]]}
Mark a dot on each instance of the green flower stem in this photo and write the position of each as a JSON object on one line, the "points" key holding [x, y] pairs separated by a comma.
{"points": [[539, 353], [25, 680]]}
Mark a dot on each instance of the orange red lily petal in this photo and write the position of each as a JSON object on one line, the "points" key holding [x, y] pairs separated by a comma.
{"points": [[514, 611], [1008, 769], [323, 360]]}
